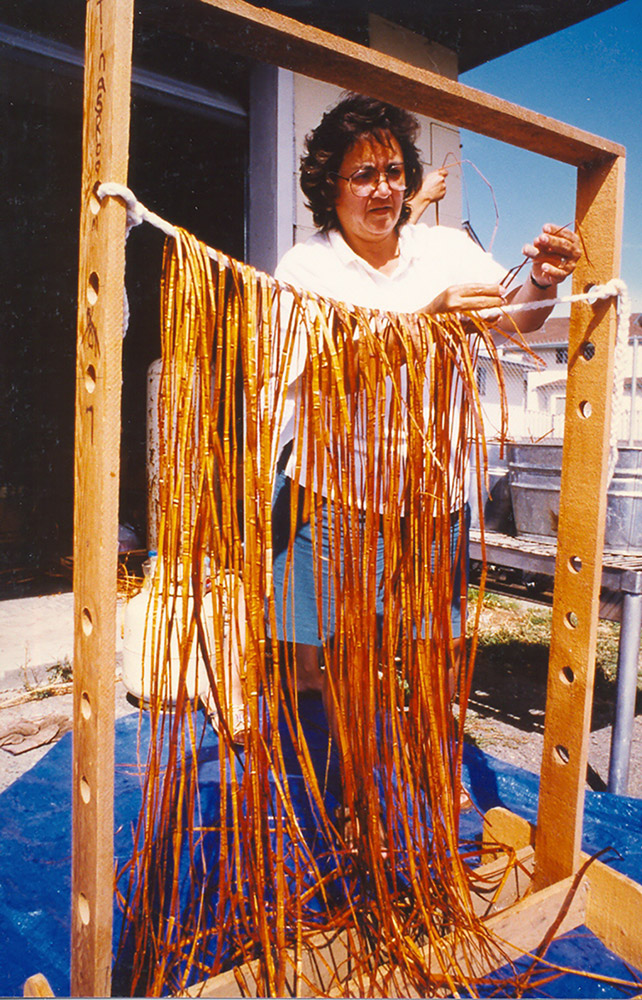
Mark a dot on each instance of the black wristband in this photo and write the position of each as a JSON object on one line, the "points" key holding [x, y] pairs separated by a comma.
{"points": [[542, 288]]}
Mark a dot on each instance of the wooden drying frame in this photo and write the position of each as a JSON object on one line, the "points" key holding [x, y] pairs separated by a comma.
{"points": [[276, 39]]}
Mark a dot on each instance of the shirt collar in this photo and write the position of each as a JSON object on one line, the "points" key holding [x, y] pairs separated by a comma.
{"points": [[407, 251], [344, 252]]}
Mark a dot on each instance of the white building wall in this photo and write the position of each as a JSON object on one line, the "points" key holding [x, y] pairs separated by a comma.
{"points": [[514, 376], [546, 392]]}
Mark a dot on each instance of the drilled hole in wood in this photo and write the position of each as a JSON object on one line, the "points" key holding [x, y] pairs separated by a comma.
{"points": [[588, 350], [94, 200], [562, 755], [571, 619], [87, 622], [575, 564], [567, 675], [83, 908], [93, 286], [85, 706], [85, 790], [90, 378], [585, 409]]}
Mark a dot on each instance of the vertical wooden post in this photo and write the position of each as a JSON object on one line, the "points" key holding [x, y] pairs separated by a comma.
{"points": [[600, 193], [108, 48]]}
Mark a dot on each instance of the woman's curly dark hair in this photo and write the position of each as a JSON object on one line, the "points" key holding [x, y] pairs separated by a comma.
{"points": [[353, 118]]}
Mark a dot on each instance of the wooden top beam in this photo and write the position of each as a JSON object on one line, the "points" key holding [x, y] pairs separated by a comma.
{"points": [[273, 38]]}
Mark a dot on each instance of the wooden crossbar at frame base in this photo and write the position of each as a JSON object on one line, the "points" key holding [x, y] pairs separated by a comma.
{"points": [[601, 899], [608, 903], [614, 905]]}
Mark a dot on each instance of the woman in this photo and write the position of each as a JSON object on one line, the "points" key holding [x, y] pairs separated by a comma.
{"points": [[362, 176]]}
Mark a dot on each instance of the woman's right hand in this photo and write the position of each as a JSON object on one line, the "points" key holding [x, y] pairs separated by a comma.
{"points": [[464, 298]]}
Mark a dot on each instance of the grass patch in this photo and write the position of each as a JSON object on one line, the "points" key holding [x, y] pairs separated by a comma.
{"points": [[520, 632]]}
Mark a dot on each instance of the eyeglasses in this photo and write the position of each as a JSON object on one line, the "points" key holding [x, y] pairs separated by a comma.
{"points": [[365, 180]]}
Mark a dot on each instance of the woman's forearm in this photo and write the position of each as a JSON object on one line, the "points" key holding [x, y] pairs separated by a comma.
{"points": [[529, 319]]}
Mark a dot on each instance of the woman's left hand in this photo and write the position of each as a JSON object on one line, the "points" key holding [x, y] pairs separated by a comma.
{"points": [[554, 253], [431, 191], [434, 185]]}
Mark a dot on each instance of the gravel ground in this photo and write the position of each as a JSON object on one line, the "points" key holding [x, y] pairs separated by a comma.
{"points": [[508, 698], [30, 724], [517, 739]]}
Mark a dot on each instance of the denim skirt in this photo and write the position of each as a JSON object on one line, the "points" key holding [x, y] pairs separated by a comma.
{"points": [[297, 618]]}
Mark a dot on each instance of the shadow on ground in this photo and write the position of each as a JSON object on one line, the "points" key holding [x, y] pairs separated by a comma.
{"points": [[509, 689], [509, 684]]}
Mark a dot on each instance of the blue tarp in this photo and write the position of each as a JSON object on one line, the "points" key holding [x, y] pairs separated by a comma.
{"points": [[35, 857]]}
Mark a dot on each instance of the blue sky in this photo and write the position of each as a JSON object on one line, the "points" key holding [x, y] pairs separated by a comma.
{"points": [[590, 76]]}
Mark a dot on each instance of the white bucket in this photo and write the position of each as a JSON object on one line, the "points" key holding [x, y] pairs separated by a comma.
{"points": [[145, 644], [147, 647]]}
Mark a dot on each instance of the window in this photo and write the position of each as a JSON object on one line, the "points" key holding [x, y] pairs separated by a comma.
{"points": [[561, 355]]}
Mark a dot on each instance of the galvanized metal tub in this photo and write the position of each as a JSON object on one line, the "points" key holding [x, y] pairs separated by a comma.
{"points": [[498, 514], [534, 476]]}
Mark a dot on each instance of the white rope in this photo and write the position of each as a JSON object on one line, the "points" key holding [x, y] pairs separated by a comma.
{"points": [[137, 213], [615, 288], [612, 289], [619, 370]]}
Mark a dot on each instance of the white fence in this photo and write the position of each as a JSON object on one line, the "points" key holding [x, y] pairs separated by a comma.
{"points": [[536, 399]]}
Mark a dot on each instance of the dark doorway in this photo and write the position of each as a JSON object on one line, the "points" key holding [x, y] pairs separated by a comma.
{"points": [[187, 163]]}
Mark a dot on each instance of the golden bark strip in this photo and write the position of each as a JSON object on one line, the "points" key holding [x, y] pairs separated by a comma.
{"points": [[614, 905], [607, 902], [409, 947], [274, 38], [325, 965], [521, 929], [581, 531], [501, 882], [98, 387], [518, 929]]}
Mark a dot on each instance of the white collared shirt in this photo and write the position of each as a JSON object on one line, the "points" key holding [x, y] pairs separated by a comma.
{"points": [[430, 260]]}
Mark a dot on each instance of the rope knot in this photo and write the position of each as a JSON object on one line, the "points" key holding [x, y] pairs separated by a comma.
{"points": [[135, 209], [609, 290]]}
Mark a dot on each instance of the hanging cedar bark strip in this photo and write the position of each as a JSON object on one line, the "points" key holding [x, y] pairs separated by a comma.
{"points": [[247, 879]]}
